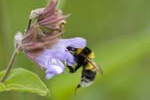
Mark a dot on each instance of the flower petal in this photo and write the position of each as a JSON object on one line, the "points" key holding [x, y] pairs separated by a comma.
{"points": [[49, 75], [49, 10], [70, 61], [55, 67], [77, 42]]}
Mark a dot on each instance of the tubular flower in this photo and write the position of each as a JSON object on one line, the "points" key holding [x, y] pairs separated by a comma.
{"points": [[52, 59], [42, 42]]}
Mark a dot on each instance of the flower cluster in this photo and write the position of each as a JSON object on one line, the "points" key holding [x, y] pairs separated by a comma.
{"points": [[43, 44]]}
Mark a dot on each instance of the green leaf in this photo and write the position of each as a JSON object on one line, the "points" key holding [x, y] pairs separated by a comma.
{"points": [[23, 80]]}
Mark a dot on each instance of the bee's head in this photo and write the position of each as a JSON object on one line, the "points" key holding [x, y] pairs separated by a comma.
{"points": [[71, 49], [86, 51]]}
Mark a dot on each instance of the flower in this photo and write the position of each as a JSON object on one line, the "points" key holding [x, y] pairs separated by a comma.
{"points": [[43, 44], [52, 59], [47, 29], [49, 18]]}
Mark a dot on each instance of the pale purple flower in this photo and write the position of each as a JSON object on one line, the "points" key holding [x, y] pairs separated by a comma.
{"points": [[52, 59]]}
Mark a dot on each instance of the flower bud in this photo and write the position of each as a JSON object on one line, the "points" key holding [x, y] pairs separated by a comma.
{"points": [[36, 13]]}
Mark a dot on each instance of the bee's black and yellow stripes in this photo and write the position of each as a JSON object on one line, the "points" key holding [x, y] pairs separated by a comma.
{"points": [[89, 71]]}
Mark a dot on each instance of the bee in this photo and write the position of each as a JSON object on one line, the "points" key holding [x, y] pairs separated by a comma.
{"points": [[84, 58]]}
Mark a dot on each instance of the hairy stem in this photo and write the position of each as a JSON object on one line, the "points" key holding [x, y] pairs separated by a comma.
{"points": [[13, 57], [10, 64]]}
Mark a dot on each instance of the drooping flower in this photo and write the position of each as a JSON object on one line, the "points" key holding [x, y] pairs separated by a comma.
{"points": [[47, 29], [43, 44], [52, 59], [50, 18]]}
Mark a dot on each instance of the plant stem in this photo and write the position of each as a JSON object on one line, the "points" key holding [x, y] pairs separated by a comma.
{"points": [[13, 57], [10, 64], [28, 27]]}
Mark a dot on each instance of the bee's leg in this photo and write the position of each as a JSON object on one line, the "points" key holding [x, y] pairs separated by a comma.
{"points": [[71, 70], [77, 67]]}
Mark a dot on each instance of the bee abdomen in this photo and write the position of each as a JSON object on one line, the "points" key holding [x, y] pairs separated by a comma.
{"points": [[88, 77], [89, 74]]}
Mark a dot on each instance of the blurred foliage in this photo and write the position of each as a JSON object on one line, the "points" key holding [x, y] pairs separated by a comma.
{"points": [[119, 33], [23, 80]]}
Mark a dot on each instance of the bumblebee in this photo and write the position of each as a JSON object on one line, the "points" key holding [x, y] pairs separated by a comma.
{"points": [[84, 58]]}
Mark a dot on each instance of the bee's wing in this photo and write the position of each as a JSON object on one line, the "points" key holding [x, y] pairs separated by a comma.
{"points": [[98, 68]]}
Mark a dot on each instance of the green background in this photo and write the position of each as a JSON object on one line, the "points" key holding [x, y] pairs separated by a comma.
{"points": [[117, 30]]}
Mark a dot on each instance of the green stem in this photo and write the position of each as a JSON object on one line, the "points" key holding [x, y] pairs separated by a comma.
{"points": [[29, 23], [11, 62], [13, 57]]}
